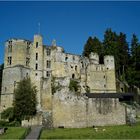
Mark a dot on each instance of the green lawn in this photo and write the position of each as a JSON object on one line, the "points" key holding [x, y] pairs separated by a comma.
{"points": [[15, 133], [111, 132]]}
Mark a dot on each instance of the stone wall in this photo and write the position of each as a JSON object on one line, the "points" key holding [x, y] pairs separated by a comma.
{"points": [[73, 111], [46, 95], [6, 101], [37, 120], [18, 52], [11, 77]]}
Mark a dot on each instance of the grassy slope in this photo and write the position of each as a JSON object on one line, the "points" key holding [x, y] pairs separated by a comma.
{"points": [[111, 132], [14, 133]]}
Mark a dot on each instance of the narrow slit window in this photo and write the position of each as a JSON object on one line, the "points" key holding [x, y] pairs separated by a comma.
{"points": [[36, 66], [82, 64], [76, 68], [36, 56]]}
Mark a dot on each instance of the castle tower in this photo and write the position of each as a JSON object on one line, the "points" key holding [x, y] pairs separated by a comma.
{"points": [[16, 67], [16, 52], [37, 65], [109, 62], [110, 73], [94, 58]]}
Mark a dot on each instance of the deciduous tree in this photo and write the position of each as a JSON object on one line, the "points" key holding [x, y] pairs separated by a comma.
{"points": [[25, 100]]}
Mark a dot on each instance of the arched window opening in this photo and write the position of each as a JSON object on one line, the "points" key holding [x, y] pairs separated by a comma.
{"points": [[73, 76]]}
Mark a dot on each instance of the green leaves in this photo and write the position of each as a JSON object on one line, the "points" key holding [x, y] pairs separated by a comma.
{"points": [[8, 113], [25, 100], [73, 85]]}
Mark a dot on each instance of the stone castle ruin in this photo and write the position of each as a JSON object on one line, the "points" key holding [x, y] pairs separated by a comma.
{"points": [[52, 70]]}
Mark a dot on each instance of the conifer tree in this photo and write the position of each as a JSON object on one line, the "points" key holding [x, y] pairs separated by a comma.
{"points": [[110, 44], [134, 46], [88, 47], [93, 45], [123, 53], [133, 72]]}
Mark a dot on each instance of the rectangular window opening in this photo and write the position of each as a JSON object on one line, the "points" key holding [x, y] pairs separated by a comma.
{"points": [[48, 64], [28, 47], [9, 60], [48, 51], [36, 44], [47, 73]]}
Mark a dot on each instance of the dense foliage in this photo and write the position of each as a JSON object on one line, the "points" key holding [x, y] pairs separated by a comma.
{"points": [[8, 114], [24, 105], [73, 85], [127, 56], [25, 100]]}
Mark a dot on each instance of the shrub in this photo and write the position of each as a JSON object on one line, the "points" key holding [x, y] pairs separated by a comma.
{"points": [[55, 87], [6, 123], [8, 114], [3, 123], [73, 85], [87, 89], [14, 123]]}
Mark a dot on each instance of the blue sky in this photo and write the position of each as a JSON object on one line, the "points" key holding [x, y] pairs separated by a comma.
{"points": [[70, 23]]}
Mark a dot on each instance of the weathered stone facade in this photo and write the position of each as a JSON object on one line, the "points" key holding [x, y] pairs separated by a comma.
{"points": [[43, 64], [70, 111]]}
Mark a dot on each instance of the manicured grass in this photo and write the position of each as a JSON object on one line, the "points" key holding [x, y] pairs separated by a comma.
{"points": [[15, 133], [111, 132]]}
